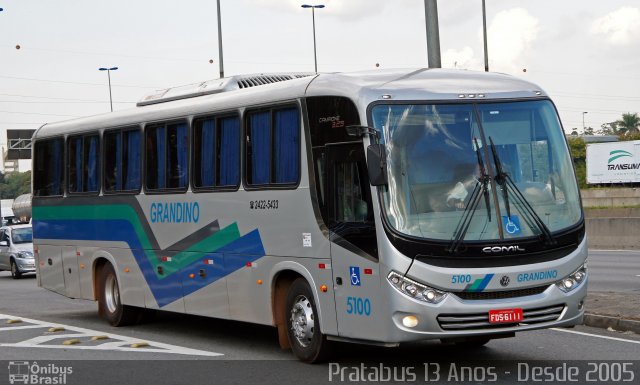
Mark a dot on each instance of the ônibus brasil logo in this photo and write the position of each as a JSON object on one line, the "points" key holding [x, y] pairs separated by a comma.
{"points": [[25, 372], [615, 154]]}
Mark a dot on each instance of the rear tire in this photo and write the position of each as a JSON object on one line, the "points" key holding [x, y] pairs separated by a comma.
{"points": [[15, 273], [109, 303], [303, 324]]}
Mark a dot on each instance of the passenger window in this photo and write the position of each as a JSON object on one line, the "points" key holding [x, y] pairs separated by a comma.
{"points": [[122, 160], [47, 171], [167, 157], [216, 152], [83, 164], [273, 147]]}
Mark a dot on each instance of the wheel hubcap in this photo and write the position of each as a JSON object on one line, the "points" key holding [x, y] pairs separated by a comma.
{"points": [[111, 294], [14, 268], [302, 320]]}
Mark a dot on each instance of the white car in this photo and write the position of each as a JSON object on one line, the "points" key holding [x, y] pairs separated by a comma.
{"points": [[16, 250]]}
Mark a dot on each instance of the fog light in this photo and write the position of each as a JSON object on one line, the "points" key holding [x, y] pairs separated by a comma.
{"points": [[410, 321], [580, 305]]}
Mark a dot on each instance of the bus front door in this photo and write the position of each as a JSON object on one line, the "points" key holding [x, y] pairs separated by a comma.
{"points": [[353, 241]]}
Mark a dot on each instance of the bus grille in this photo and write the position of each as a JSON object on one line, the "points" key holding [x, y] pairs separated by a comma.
{"points": [[480, 321], [466, 295]]}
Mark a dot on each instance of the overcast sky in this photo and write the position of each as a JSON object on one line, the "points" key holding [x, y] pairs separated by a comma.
{"points": [[585, 53]]}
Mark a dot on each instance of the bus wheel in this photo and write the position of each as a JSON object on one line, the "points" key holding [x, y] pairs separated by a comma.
{"points": [[109, 302], [15, 273], [303, 324]]}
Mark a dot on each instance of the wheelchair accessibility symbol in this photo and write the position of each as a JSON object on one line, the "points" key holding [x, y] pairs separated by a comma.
{"points": [[354, 273], [511, 224]]}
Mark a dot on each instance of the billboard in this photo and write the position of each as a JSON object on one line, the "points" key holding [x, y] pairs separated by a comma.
{"points": [[615, 162], [19, 144]]}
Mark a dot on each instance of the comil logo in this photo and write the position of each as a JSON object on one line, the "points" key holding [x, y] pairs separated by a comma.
{"points": [[617, 154], [23, 372]]}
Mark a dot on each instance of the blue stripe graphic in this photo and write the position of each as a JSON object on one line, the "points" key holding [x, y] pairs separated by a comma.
{"points": [[170, 288]]}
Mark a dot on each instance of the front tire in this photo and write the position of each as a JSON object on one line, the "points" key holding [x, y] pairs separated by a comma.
{"points": [[15, 272], [303, 324], [109, 304]]}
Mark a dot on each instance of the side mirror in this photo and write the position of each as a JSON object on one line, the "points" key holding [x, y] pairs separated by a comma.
{"points": [[377, 164], [4, 243]]}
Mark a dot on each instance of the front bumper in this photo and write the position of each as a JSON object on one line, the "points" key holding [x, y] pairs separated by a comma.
{"points": [[26, 265], [455, 317]]}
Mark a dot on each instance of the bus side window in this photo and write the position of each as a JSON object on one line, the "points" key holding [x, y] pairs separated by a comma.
{"points": [[122, 160], [216, 148], [351, 204], [83, 164], [167, 157], [349, 197], [273, 147], [48, 175]]}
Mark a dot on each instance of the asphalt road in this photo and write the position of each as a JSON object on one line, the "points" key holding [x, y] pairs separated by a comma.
{"points": [[617, 271], [180, 349]]}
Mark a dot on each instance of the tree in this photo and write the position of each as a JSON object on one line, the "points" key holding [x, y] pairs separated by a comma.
{"points": [[579, 154], [15, 184], [630, 123]]}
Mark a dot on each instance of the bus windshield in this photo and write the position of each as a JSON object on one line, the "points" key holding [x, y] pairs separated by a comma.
{"points": [[451, 161]]}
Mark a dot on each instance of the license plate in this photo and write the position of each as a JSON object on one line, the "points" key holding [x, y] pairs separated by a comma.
{"points": [[505, 316]]}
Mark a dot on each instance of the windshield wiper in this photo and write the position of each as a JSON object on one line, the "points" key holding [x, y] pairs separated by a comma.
{"points": [[506, 184], [481, 188]]}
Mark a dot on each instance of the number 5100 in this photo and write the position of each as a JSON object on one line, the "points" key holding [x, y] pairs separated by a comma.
{"points": [[358, 306]]}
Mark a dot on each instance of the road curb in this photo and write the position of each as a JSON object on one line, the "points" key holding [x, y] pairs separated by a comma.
{"points": [[605, 322]]}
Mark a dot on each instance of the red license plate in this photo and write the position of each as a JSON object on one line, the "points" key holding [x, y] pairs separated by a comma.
{"points": [[505, 316]]}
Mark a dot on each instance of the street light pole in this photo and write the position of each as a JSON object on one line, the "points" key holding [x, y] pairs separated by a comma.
{"points": [[220, 42], [433, 33], [583, 126], [109, 77], [313, 17], [484, 33]]}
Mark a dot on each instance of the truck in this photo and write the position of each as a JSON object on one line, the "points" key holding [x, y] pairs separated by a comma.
{"points": [[615, 162]]}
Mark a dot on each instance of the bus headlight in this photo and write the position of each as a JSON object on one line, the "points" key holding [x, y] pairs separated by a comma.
{"points": [[415, 290], [573, 280]]}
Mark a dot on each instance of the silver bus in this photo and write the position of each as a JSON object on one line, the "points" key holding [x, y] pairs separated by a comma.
{"points": [[372, 207]]}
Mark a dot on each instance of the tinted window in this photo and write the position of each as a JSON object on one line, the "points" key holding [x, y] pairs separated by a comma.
{"points": [[216, 152], [122, 160], [47, 179], [167, 156], [83, 164], [273, 147]]}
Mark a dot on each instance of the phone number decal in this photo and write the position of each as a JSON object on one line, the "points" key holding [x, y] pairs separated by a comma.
{"points": [[264, 205]]}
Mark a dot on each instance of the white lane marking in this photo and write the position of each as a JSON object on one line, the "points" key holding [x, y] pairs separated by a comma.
{"points": [[115, 343], [596, 336]]}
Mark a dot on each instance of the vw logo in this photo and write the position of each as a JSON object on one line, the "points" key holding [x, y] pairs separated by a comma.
{"points": [[504, 281]]}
